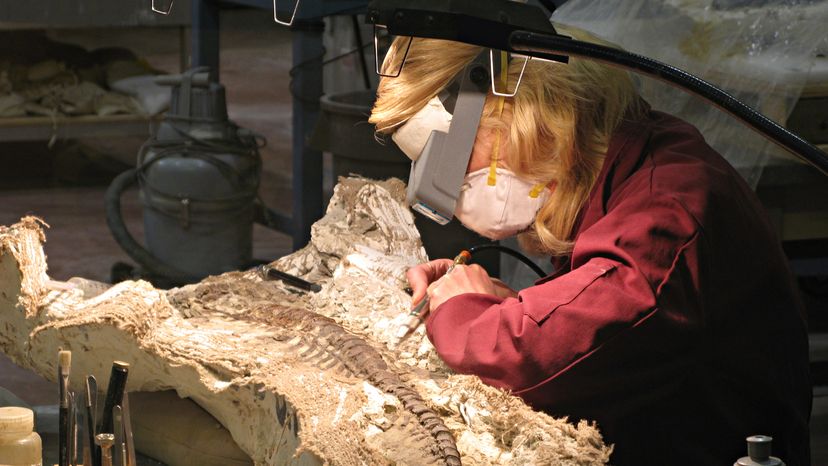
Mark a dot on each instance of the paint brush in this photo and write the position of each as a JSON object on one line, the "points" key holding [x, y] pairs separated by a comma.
{"points": [[64, 369]]}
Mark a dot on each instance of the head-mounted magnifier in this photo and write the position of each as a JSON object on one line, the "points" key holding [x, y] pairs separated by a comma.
{"points": [[437, 174], [503, 25], [438, 171]]}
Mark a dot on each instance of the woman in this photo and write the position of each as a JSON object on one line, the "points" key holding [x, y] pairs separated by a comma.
{"points": [[672, 319]]}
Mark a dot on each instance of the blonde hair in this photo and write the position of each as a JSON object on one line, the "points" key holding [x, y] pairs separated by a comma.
{"points": [[557, 127]]}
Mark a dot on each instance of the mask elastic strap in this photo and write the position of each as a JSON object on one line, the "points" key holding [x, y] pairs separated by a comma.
{"points": [[536, 190], [501, 100]]}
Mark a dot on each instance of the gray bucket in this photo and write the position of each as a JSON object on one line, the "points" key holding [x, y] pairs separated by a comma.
{"points": [[343, 130], [195, 218]]}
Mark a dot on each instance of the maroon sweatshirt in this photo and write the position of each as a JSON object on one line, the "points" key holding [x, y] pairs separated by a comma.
{"points": [[675, 324]]}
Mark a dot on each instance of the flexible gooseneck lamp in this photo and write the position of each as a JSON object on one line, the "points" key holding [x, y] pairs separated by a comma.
{"points": [[523, 29]]}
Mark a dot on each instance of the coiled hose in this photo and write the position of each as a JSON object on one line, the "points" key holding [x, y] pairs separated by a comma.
{"points": [[197, 148], [512, 252], [138, 253]]}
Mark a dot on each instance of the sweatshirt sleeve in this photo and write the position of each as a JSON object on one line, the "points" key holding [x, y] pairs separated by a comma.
{"points": [[636, 263]]}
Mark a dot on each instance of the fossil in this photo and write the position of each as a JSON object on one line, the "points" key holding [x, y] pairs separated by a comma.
{"points": [[295, 377], [329, 341]]}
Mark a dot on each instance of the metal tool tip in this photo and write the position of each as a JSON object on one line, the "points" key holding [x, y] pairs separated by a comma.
{"points": [[402, 332]]}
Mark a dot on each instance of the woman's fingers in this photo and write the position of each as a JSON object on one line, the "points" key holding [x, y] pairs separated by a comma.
{"points": [[463, 279], [503, 290], [421, 276]]}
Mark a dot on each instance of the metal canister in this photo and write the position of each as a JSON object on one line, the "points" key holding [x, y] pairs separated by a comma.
{"points": [[759, 453]]}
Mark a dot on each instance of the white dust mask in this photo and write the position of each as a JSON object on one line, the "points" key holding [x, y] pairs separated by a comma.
{"points": [[502, 210], [411, 137]]}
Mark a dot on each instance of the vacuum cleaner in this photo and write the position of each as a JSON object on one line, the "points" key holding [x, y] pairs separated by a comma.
{"points": [[198, 177]]}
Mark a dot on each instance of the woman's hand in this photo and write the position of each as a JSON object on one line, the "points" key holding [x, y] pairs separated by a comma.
{"points": [[431, 278], [423, 275], [463, 279], [503, 290]]}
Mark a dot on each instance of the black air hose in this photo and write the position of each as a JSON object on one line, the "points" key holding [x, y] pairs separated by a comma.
{"points": [[122, 236], [510, 251], [545, 44]]}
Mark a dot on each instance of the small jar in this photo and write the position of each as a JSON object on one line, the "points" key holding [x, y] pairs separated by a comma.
{"points": [[19, 444]]}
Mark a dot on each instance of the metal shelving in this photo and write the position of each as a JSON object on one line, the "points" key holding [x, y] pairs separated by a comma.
{"points": [[45, 128], [306, 33], [83, 14]]}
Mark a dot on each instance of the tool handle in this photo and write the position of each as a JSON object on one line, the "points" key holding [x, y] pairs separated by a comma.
{"points": [[118, 457], [63, 434], [114, 397], [422, 308], [91, 417], [418, 309], [460, 259], [90, 433], [268, 272], [114, 394], [72, 432], [129, 440]]}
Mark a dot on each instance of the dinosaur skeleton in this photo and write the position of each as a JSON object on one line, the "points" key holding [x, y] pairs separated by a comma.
{"points": [[296, 378]]}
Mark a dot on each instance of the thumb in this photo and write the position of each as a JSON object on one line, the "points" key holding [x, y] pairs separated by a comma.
{"points": [[419, 277]]}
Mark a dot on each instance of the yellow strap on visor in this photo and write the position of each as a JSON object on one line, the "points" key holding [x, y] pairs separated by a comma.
{"points": [[504, 78]]}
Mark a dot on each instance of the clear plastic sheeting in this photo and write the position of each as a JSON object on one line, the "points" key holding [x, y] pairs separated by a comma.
{"points": [[343, 71], [760, 51]]}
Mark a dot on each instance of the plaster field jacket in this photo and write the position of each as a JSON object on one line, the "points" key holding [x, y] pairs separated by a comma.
{"points": [[675, 324]]}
